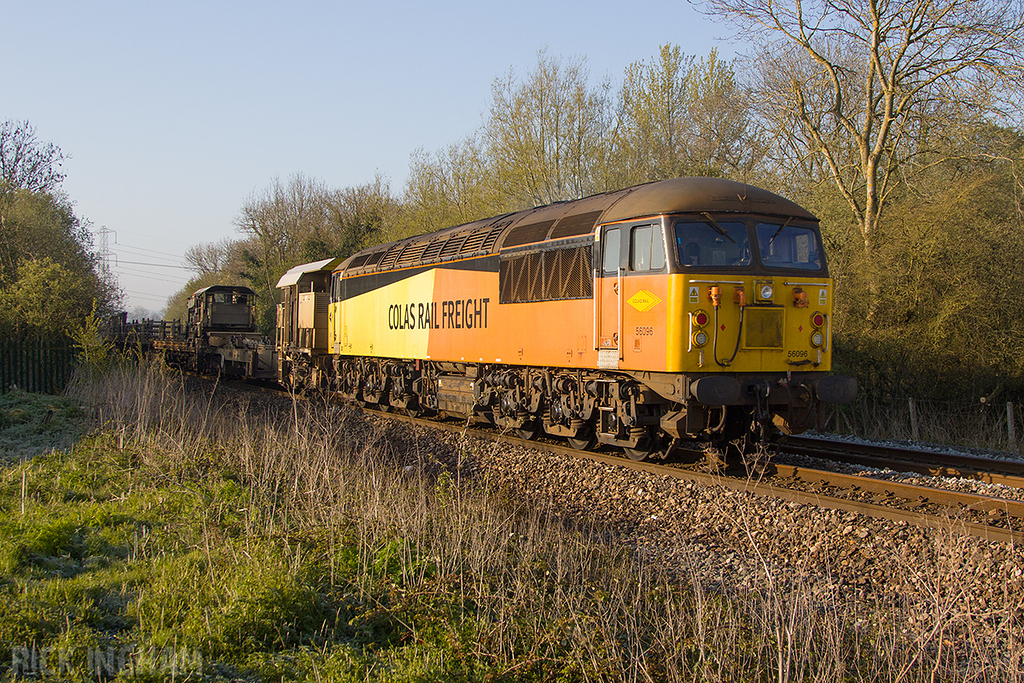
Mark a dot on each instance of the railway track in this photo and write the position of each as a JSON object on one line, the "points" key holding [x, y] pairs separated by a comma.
{"points": [[987, 517], [904, 459]]}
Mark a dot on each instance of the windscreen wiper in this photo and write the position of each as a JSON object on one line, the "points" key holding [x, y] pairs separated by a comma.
{"points": [[718, 228], [776, 233]]}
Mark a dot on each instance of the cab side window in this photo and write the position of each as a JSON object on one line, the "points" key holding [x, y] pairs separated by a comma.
{"points": [[611, 251], [646, 249]]}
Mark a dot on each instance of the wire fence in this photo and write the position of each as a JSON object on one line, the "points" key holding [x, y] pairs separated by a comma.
{"points": [[965, 424], [36, 364]]}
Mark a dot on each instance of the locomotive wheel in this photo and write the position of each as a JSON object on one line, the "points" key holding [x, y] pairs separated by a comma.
{"points": [[414, 409], [585, 442], [528, 431], [640, 454]]}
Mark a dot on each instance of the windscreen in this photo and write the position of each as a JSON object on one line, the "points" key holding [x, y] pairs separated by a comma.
{"points": [[230, 298], [788, 246], [712, 244]]}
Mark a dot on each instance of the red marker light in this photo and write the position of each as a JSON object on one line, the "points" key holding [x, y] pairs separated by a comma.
{"points": [[818, 319], [700, 318]]}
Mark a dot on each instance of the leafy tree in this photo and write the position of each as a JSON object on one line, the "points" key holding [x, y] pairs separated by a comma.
{"points": [[679, 118], [449, 187], [946, 318], [26, 166], [654, 125], [544, 137], [44, 297], [49, 273]]}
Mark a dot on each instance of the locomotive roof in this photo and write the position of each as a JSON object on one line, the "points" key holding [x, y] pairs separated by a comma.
{"points": [[224, 288], [573, 219], [296, 273]]}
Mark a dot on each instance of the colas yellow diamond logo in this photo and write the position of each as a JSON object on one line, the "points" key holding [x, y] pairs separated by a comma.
{"points": [[643, 301]]}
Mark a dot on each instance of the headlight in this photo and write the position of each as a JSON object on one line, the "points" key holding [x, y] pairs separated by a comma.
{"points": [[700, 338], [817, 339], [766, 292]]}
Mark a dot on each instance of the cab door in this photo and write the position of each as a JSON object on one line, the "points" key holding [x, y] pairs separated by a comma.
{"points": [[608, 297]]}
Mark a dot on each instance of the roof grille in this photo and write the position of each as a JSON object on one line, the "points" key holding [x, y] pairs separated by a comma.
{"points": [[525, 234], [578, 224]]}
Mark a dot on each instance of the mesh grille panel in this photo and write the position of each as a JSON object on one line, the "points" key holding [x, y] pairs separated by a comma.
{"points": [[546, 275]]}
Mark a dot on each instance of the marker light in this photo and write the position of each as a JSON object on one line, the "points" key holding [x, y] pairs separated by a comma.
{"points": [[700, 318], [700, 338], [817, 339], [818, 319]]}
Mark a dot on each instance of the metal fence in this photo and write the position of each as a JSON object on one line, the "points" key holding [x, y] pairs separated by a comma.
{"points": [[37, 364]]}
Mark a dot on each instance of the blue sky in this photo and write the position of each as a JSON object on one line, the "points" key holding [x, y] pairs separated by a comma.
{"points": [[174, 114]]}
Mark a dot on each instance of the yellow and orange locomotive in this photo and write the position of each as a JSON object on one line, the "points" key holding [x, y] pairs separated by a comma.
{"points": [[687, 310]]}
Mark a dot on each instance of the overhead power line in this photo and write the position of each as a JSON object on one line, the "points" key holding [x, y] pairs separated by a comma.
{"points": [[159, 265], [131, 247]]}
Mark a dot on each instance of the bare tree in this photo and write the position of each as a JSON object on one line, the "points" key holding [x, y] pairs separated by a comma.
{"points": [[362, 216], [209, 257], [858, 84], [25, 162], [449, 187]]}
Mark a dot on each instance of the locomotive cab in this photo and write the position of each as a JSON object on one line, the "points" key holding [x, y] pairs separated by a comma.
{"points": [[221, 309], [745, 334], [219, 335]]}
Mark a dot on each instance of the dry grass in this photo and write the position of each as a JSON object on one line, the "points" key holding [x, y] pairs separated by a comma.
{"points": [[952, 423], [457, 580]]}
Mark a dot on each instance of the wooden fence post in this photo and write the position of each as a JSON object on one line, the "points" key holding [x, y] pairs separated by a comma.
{"points": [[1011, 428]]}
